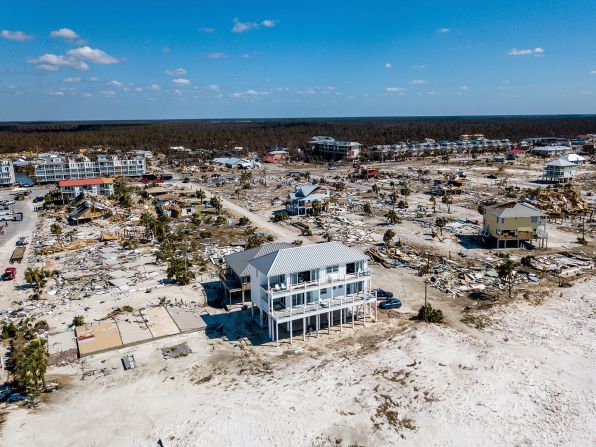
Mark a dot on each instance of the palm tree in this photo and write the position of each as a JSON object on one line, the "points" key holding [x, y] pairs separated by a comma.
{"points": [[433, 200], [393, 197], [200, 194], [215, 202], [316, 207], [56, 229], [441, 222], [392, 217], [367, 208], [148, 221], [31, 363], [38, 277], [506, 271]]}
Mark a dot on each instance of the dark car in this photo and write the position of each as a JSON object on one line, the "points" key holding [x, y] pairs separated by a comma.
{"points": [[384, 294], [38, 199], [393, 303]]}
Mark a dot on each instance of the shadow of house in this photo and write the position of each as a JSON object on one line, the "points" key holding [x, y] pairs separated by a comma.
{"points": [[236, 326]]}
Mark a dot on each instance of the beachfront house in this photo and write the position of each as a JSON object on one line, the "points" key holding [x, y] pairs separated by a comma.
{"points": [[559, 171], [305, 288], [99, 186], [517, 222], [305, 198]]}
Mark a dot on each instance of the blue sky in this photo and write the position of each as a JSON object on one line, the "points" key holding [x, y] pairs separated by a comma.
{"points": [[154, 59]]}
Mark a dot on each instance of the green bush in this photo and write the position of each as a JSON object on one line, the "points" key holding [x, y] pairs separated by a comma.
{"points": [[430, 315]]}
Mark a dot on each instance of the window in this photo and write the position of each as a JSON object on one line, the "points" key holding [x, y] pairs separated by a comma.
{"points": [[333, 269], [534, 219]]}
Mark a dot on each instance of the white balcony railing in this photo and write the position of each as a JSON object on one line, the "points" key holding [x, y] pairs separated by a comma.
{"points": [[322, 306], [279, 288]]}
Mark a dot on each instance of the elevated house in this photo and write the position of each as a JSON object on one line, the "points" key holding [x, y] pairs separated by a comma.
{"points": [[300, 202], [514, 222], [235, 278], [310, 287], [559, 171]]}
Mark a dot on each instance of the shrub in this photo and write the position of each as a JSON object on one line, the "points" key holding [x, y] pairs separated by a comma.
{"points": [[127, 308], [430, 315], [79, 320]]}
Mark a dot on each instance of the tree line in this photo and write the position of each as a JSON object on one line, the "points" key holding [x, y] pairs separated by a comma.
{"points": [[263, 135]]}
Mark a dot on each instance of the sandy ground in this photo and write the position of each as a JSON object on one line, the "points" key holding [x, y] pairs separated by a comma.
{"points": [[527, 379]]}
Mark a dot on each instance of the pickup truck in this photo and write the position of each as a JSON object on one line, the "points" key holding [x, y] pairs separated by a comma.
{"points": [[23, 240]]}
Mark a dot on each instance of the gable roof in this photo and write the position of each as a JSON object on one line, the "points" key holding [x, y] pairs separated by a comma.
{"points": [[573, 158], [517, 210], [238, 262], [307, 257], [560, 162]]}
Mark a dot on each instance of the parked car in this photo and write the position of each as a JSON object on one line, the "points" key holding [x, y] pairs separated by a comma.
{"points": [[23, 240], [393, 303], [7, 202], [384, 293], [28, 192], [38, 199]]}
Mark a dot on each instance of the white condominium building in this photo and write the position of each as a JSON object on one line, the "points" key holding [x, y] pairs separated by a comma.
{"points": [[6, 173], [308, 287], [331, 148], [53, 168]]}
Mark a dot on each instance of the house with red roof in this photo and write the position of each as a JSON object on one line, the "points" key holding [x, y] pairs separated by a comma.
{"points": [[73, 187]]}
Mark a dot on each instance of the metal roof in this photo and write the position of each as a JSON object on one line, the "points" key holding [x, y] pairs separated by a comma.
{"points": [[519, 210], [238, 262], [307, 257], [560, 162]]}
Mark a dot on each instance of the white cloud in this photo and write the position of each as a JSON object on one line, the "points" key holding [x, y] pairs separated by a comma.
{"points": [[420, 66], [18, 36], [138, 89], [593, 72], [166, 50], [207, 30], [418, 82], [214, 87], [154, 87], [248, 94], [443, 30], [176, 71], [116, 84], [72, 80], [64, 33], [52, 62], [245, 56], [388, 65], [241, 27], [432, 93], [395, 89], [56, 93], [528, 52], [93, 79], [87, 95], [464, 88], [267, 23], [180, 81], [108, 93], [217, 55], [92, 55], [585, 93], [77, 58], [177, 92]]}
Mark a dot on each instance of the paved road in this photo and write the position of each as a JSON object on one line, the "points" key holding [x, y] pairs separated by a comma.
{"points": [[9, 238]]}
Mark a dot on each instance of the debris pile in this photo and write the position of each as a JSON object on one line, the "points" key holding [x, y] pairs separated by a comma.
{"points": [[555, 202]]}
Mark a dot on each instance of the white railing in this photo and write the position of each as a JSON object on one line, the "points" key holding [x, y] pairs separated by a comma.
{"points": [[329, 280], [323, 305]]}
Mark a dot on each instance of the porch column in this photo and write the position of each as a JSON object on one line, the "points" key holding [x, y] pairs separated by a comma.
{"points": [[303, 329], [341, 320], [276, 334], [291, 329], [329, 323], [352, 317], [317, 323]]}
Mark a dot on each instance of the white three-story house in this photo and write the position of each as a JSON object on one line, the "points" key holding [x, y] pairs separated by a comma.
{"points": [[306, 288]]}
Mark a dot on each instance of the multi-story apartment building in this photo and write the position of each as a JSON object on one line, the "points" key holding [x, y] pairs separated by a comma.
{"points": [[330, 148], [7, 176], [73, 187], [310, 287], [53, 168]]}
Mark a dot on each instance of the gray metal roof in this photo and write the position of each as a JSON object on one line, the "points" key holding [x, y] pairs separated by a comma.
{"points": [[519, 210], [560, 162], [307, 257], [238, 262]]}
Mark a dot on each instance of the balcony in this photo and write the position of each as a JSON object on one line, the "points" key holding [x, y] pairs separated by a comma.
{"points": [[280, 288], [321, 306]]}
